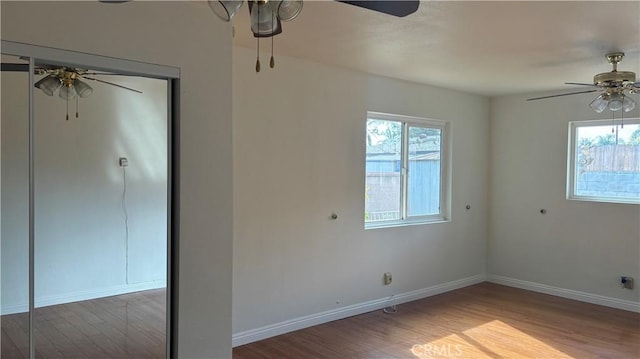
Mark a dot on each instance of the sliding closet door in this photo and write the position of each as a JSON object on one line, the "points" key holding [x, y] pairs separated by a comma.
{"points": [[101, 219], [86, 205], [14, 210]]}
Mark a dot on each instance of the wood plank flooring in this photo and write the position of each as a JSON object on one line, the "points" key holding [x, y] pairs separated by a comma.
{"points": [[482, 321], [124, 326]]}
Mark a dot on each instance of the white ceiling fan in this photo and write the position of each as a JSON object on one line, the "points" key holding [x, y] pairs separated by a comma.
{"points": [[614, 87]]}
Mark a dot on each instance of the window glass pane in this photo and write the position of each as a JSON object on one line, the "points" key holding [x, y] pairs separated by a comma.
{"points": [[608, 161], [383, 166], [423, 182]]}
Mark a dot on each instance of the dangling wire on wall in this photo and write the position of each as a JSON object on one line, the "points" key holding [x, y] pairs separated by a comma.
{"points": [[391, 309], [123, 204]]}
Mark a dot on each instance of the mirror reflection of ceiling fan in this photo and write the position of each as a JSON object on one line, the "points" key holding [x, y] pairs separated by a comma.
{"points": [[614, 87], [65, 81]]}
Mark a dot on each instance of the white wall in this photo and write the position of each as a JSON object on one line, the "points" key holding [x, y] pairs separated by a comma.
{"points": [[80, 242], [579, 246], [299, 150], [186, 35]]}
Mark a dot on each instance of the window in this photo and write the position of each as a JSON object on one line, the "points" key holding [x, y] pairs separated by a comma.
{"points": [[406, 170], [604, 161]]}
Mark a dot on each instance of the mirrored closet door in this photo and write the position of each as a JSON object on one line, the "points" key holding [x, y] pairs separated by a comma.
{"points": [[86, 214], [14, 209]]}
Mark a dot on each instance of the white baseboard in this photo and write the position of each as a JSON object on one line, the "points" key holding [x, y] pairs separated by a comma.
{"points": [[83, 295], [14, 309], [566, 293], [272, 330]]}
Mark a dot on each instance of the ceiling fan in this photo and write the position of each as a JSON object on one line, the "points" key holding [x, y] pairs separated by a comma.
{"points": [[267, 15], [614, 87], [66, 81], [228, 8]]}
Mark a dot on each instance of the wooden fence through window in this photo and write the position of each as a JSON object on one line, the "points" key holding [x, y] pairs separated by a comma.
{"points": [[611, 158]]}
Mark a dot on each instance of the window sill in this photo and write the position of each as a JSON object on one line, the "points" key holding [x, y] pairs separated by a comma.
{"points": [[604, 200], [393, 224]]}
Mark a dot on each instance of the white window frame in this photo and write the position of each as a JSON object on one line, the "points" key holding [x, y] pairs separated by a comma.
{"points": [[406, 122], [571, 161]]}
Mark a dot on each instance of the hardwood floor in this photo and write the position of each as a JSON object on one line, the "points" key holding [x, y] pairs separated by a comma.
{"points": [[482, 321], [124, 326]]}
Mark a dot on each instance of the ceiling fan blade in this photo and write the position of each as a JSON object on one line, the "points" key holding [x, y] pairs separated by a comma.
{"points": [[580, 84], [400, 8], [111, 83], [563, 94], [15, 67]]}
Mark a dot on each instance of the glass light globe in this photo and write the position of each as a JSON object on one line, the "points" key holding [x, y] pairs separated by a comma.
{"points": [[225, 10], [48, 84], [615, 102], [628, 104], [599, 104], [263, 21], [67, 92], [288, 10], [82, 89]]}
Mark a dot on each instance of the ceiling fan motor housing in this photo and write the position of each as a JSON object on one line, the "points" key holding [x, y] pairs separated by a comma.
{"points": [[614, 78]]}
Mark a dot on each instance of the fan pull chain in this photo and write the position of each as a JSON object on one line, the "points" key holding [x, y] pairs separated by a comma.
{"points": [[258, 57], [258, 48], [76, 106], [272, 62], [621, 118], [613, 125], [67, 109]]}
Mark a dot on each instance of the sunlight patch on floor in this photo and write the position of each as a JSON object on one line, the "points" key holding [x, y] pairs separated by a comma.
{"points": [[494, 339]]}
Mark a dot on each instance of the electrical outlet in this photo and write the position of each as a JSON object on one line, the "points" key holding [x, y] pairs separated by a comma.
{"points": [[386, 278], [123, 161], [627, 282]]}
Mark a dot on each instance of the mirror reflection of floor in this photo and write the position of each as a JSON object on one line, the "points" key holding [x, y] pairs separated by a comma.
{"points": [[125, 326], [15, 336]]}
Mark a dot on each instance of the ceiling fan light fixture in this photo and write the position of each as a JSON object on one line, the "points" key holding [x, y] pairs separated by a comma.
{"points": [[264, 23], [615, 101], [48, 84], [287, 10], [225, 9], [82, 89], [67, 92], [599, 104]]}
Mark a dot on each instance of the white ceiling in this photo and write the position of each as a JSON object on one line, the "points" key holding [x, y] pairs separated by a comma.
{"points": [[488, 48]]}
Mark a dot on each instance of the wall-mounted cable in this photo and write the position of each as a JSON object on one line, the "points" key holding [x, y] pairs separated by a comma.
{"points": [[123, 204]]}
